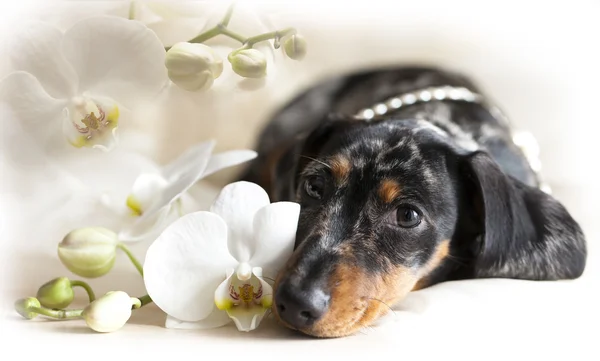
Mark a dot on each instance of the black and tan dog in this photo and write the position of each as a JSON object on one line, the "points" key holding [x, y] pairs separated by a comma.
{"points": [[406, 178]]}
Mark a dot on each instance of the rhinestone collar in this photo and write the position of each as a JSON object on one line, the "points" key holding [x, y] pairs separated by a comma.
{"points": [[524, 140]]}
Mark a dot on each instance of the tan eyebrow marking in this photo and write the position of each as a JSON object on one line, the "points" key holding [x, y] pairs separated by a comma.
{"points": [[389, 190], [340, 168]]}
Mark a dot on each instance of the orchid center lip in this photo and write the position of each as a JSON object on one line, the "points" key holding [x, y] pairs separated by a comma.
{"points": [[91, 121], [244, 271]]}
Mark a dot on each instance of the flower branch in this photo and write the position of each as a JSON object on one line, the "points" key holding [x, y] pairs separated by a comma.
{"points": [[132, 258], [194, 66]]}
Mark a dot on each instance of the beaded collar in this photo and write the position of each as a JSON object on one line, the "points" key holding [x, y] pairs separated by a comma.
{"points": [[524, 140]]}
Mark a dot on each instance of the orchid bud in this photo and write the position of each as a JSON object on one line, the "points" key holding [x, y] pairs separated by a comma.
{"points": [[109, 312], [56, 294], [193, 67], [89, 252], [295, 47], [24, 306], [249, 63]]}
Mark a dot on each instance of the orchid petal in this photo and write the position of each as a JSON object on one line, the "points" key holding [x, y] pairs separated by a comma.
{"points": [[185, 265], [228, 159], [216, 319], [116, 57], [267, 296], [188, 176], [38, 51], [142, 228], [237, 204], [187, 159], [173, 31], [274, 236], [177, 10], [38, 112], [223, 299], [247, 319]]}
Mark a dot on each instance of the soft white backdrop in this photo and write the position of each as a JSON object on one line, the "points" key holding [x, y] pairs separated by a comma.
{"points": [[538, 60]]}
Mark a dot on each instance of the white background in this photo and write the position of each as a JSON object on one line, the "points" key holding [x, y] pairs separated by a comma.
{"points": [[538, 60]]}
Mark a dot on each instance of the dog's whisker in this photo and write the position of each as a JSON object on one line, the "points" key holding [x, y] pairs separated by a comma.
{"points": [[456, 259], [388, 306], [316, 160]]}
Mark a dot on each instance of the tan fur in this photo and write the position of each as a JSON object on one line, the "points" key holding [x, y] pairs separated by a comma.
{"points": [[440, 254], [389, 190], [357, 299], [340, 167]]}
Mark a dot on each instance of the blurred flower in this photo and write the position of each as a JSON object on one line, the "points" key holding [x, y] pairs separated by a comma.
{"points": [[241, 240], [109, 312], [89, 252], [249, 63], [56, 293], [193, 67], [172, 21], [156, 196], [82, 82], [295, 47]]}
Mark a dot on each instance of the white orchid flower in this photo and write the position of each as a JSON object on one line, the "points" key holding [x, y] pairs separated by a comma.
{"points": [[155, 198], [207, 268], [82, 82], [172, 21]]}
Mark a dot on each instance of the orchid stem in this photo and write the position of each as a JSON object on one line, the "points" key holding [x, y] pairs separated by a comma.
{"points": [[131, 10], [132, 258], [247, 42], [144, 300], [58, 314], [228, 15], [179, 208], [86, 287]]}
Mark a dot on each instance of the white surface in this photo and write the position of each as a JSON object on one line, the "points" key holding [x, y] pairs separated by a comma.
{"points": [[536, 59]]}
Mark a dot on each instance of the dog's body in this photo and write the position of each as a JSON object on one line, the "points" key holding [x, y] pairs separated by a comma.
{"points": [[432, 191]]}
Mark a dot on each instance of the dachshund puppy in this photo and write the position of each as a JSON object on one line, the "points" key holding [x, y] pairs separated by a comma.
{"points": [[406, 178]]}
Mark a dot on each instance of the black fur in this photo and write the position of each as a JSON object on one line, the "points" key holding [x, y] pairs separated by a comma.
{"points": [[486, 200]]}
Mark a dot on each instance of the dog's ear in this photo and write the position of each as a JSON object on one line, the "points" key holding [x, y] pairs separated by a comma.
{"points": [[526, 233]]}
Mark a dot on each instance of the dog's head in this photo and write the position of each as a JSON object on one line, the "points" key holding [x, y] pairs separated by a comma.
{"points": [[386, 207]]}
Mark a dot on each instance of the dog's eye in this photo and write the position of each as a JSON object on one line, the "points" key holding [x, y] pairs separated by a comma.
{"points": [[314, 186], [407, 217]]}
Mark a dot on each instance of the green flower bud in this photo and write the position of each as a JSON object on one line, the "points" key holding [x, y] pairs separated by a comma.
{"points": [[193, 67], [57, 294], [89, 252], [24, 305], [249, 63], [109, 312], [295, 47]]}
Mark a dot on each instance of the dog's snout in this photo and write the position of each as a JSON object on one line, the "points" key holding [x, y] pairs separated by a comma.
{"points": [[300, 307]]}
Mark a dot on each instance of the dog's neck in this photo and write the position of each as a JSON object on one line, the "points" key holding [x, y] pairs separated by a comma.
{"points": [[524, 140]]}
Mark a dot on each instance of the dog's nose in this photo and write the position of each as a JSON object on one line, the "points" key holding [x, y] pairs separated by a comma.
{"points": [[300, 307]]}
